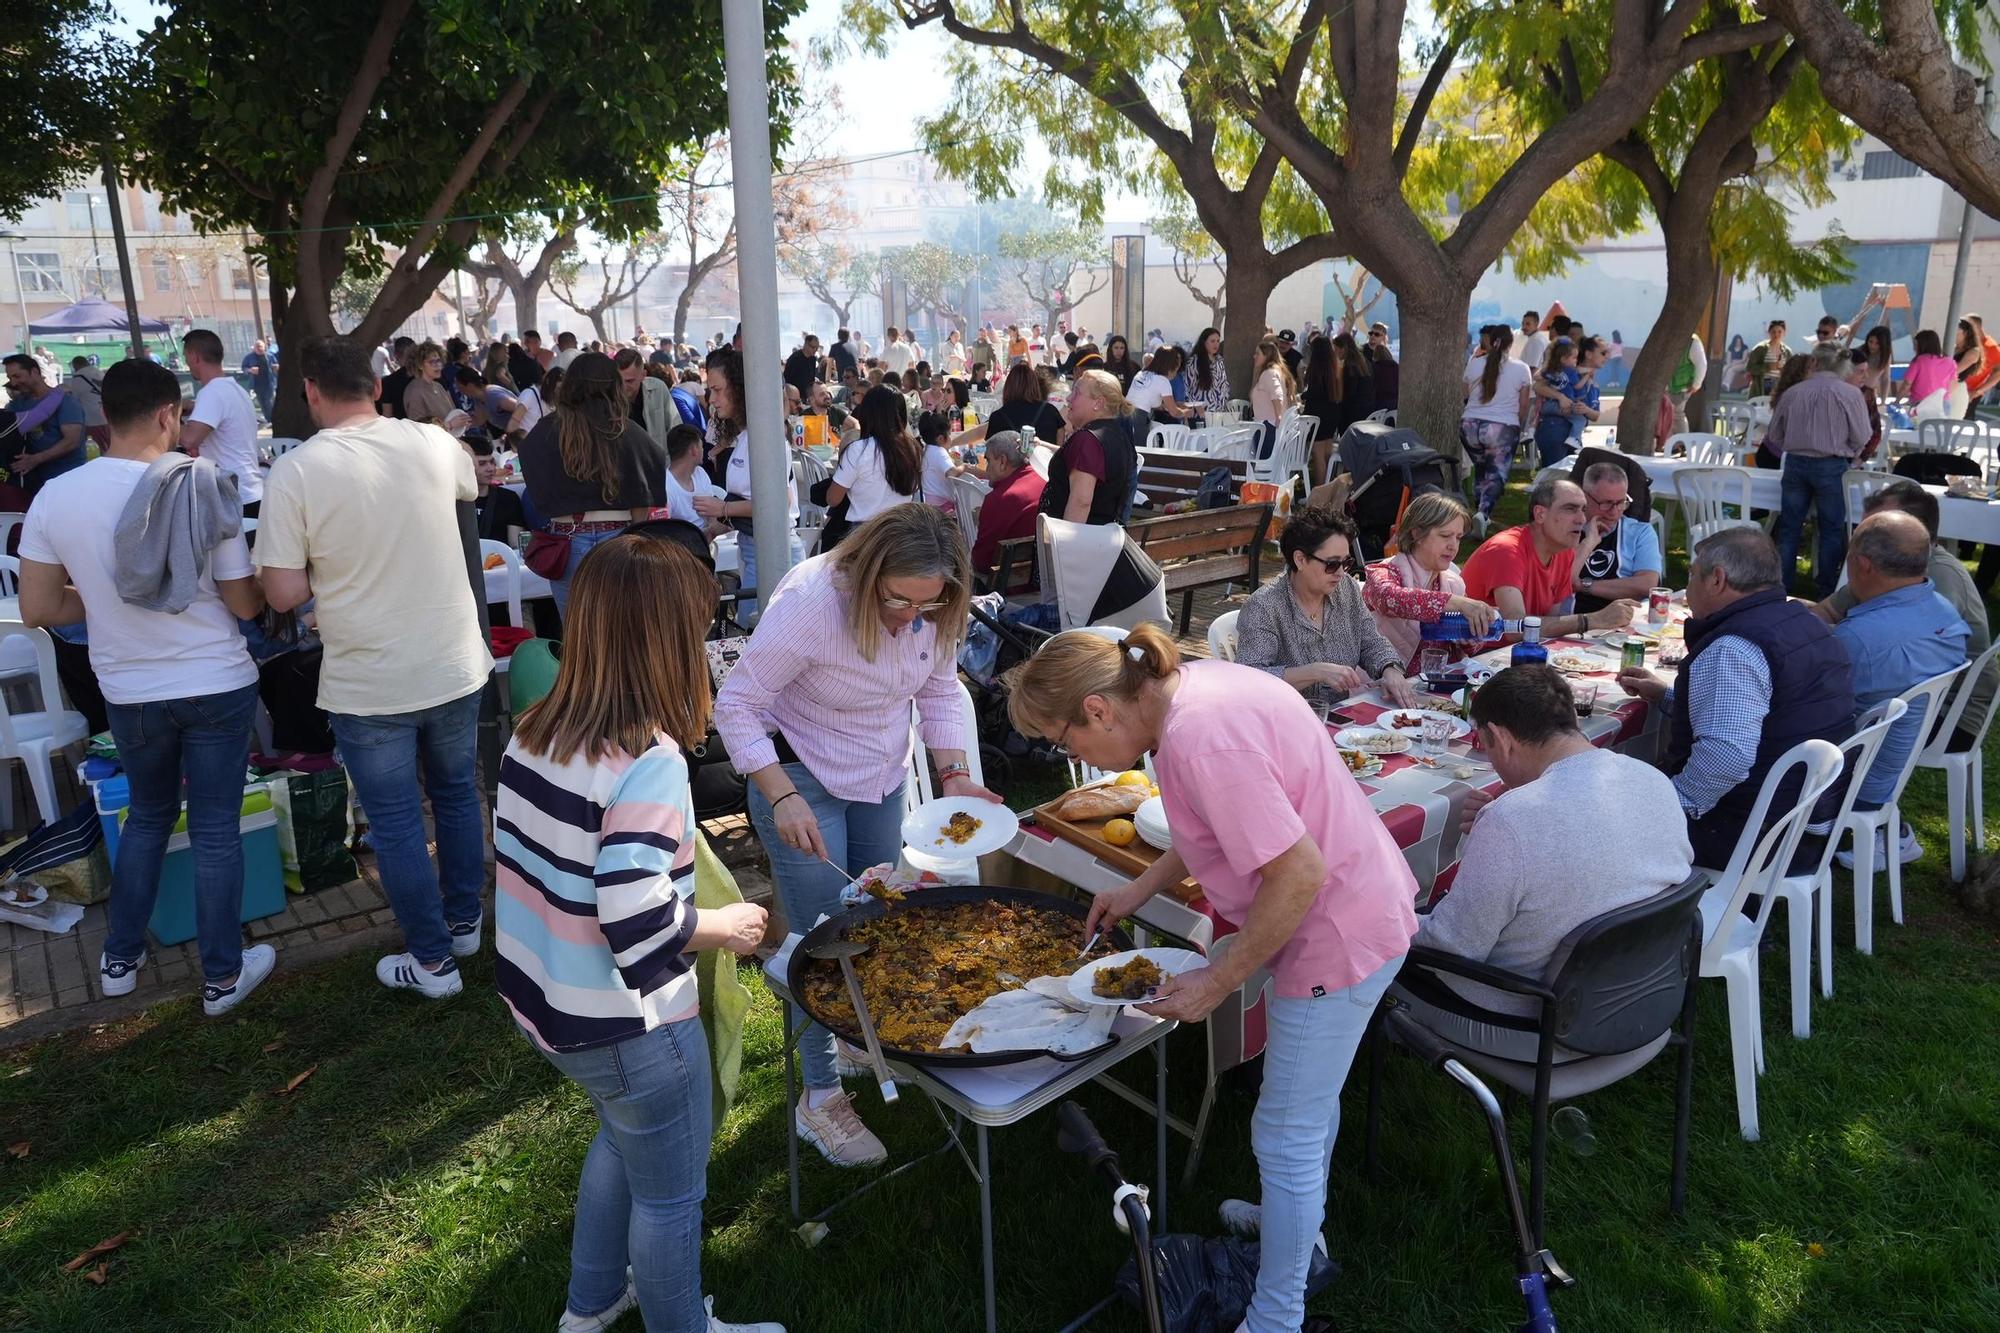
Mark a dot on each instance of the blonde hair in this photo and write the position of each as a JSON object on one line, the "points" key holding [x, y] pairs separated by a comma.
{"points": [[905, 541], [1046, 692], [1103, 388], [1426, 514], [632, 663]]}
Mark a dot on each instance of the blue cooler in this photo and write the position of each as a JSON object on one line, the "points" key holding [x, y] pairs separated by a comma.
{"points": [[173, 910]]}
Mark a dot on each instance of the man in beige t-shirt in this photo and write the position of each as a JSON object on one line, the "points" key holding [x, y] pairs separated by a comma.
{"points": [[362, 519]]}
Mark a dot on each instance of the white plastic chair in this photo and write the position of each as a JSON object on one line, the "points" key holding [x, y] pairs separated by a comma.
{"points": [[1662, 528], [8, 524], [1736, 421], [1238, 409], [808, 470], [1233, 441], [1729, 938], [919, 789], [1287, 458], [968, 494], [1386, 415], [33, 738], [1705, 495], [1950, 435], [512, 566], [1809, 896], [1925, 700], [1856, 485], [1702, 449], [1222, 636], [1963, 771], [10, 576]]}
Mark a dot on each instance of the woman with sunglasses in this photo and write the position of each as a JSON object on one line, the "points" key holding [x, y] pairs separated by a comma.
{"points": [[817, 714], [1309, 626]]}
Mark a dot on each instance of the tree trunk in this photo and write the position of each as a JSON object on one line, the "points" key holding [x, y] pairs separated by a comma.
{"points": [[1431, 399], [596, 318], [1251, 281], [290, 418], [681, 311], [528, 302], [1690, 281]]}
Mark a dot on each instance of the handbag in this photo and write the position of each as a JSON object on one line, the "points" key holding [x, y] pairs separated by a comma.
{"points": [[548, 555]]}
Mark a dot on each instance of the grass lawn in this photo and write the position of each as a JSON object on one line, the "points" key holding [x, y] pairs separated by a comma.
{"points": [[422, 1177]]}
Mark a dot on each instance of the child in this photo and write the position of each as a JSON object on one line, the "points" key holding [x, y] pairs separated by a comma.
{"points": [[934, 432], [1591, 354], [1555, 390]]}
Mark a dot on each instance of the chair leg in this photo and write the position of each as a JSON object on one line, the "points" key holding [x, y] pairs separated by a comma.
{"points": [[1742, 1050], [1893, 840], [1823, 912], [1955, 783], [7, 794], [1977, 768], [1799, 926], [1864, 888], [42, 777], [1538, 1167]]}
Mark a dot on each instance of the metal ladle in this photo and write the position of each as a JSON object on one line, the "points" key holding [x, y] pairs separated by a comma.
{"points": [[845, 952]]}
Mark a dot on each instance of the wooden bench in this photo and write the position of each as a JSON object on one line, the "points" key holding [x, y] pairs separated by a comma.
{"points": [[1195, 550], [1167, 476]]}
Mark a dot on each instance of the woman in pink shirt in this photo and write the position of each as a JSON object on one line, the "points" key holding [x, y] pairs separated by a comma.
{"points": [[1928, 376], [1285, 845], [817, 714]]}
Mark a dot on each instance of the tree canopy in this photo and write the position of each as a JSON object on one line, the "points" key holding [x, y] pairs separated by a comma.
{"points": [[61, 79]]}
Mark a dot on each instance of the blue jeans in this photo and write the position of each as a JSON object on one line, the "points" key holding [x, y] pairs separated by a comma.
{"points": [[384, 755], [1311, 1046], [1552, 440], [858, 834], [1813, 482], [638, 1202], [579, 547], [746, 556], [207, 740]]}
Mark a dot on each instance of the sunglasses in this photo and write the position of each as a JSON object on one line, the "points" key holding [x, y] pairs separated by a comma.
{"points": [[1336, 565]]}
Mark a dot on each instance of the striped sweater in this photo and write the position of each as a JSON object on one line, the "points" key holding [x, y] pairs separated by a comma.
{"points": [[594, 887]]}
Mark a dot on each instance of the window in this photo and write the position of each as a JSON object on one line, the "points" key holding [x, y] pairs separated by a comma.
{"points": [[163, 273], [81, 210], [39, 271], [1887, 164], [239, 278]]}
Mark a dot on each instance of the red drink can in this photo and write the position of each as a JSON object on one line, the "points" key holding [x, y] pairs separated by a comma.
{"points": [[1657, 604]]}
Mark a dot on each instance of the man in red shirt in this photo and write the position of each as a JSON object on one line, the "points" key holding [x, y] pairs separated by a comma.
{"points": [[1528, 571], [1009, 510]]}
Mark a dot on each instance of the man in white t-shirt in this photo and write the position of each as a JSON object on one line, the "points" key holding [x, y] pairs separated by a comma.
{"points": [[223, 425], [898, 355], [1530, 343], [566, 349], [363, 519], [382, 361], [180, 687]]}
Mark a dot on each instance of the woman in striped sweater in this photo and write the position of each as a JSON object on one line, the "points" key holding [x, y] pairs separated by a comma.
{"points": [[594, 843]]}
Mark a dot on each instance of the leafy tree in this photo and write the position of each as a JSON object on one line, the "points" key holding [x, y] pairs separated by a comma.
{"points": [[614, 282], [354, 294], [61, 77], [1055, 268], [835, 273], [1194, 249], [934, 278], [522, 266], [347, 133]]}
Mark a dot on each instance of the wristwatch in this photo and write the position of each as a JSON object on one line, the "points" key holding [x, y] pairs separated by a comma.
{"points": [[1585, 584]]}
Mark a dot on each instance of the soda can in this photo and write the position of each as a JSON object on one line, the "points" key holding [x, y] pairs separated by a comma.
{"points": [[1633, 655], [1658, 603]]}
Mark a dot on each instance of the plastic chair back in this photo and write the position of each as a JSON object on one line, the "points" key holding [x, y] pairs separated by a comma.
{"points": [[10, 575], [1856, 485], [1857, 754], [10, 524], [1222, 636], [1704, 449], [1954, 712], [919, 789], [510, 561], [1926, 700], [1706, 495], [45, 675], [1620, 978], [532, 673], [1762, 858]]}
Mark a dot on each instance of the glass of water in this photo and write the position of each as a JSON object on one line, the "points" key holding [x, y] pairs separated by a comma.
{"points": [[1436, 732]]}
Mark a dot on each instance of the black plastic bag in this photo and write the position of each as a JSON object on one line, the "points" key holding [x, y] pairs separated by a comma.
{"points": [[1206, 1284], [320, 828]]}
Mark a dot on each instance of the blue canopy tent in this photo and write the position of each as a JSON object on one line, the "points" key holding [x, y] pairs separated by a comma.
{"points": [[87, 317]]}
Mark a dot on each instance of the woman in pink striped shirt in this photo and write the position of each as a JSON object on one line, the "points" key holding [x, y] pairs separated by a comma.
{"points": [[817, 714]]}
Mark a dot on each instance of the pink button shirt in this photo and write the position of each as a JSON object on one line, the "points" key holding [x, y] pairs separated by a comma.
{"points": [[847, 718], [1245, 771]]}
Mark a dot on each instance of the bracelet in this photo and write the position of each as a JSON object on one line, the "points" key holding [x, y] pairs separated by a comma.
{"points": [[955, 771], [782, 799]]}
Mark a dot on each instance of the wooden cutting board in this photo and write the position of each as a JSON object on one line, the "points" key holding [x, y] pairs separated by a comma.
{"points": [[1134, 859]]}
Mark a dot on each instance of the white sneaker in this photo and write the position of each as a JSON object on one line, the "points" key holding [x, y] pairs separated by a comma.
{"points": [[401, 971], [116, 978], [718, 1326], [465, 936], [258, 960], [1908, 849], [1240, 1217], [572, 1322], [850, 1061], [835, 1129]]}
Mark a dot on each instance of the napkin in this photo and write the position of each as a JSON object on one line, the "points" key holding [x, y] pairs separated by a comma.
{"points": [[1043, 1016]]}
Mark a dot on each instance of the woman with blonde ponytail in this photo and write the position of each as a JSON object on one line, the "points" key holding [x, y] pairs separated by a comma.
{"points": [[1287, 848]]}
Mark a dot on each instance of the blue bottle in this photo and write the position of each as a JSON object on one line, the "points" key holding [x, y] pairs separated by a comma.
{"points": [[1529, 650]]}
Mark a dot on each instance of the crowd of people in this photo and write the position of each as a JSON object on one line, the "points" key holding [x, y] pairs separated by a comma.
{"points": [[193, 563]]}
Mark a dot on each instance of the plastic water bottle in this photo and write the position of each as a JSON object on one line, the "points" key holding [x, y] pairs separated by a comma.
{"points": [[1529, 650]]}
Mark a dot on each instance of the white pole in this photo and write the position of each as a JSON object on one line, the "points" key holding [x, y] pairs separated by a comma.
{"points": [[757, 282]]}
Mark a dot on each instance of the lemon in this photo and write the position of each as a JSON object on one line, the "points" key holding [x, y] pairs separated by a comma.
{"points": [[1120, 832], [1134, 778]]}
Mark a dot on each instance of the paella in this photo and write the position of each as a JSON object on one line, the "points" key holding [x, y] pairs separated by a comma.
{"points": [[928, 966]]}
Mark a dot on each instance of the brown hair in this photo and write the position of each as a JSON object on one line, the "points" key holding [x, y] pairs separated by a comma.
{"points": [[1496, 351], [591, 421], [905, 541], [632, 665], [1426, 514], [1268, 357], [1023, 385], [1046, 692]]}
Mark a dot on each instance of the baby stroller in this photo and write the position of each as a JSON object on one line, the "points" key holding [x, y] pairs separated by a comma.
{"points": [[1387, 467]]}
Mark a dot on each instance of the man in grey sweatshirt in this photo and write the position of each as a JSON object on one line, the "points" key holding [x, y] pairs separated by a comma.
{"points": [[1578, 832]]}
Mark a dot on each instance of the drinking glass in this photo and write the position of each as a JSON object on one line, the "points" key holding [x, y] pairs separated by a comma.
{"points": [[1586, 696], [1436, 732], [1432, 662]]}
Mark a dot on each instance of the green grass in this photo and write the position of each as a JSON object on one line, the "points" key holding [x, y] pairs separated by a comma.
{"points": [[422, 1177]]}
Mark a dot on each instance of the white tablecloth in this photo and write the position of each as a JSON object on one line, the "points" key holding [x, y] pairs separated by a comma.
{"points": [[1958, 519], [533, 585]]}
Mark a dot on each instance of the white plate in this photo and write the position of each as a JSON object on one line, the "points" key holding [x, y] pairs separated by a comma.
{"points": [[922, 827], [1581, 664], [1459, 726], [37, 895], [1151, 821], [1369, 769], [1173, 962], [1359, 738]]}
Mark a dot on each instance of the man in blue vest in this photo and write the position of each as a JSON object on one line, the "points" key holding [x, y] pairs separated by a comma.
{"points": [[1762, 674]]}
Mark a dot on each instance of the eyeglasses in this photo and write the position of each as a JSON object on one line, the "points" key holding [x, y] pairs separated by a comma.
{"points": [[1060, 743], [1623, 502], [903, 604]]}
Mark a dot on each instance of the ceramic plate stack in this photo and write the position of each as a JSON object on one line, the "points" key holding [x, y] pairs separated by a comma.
{"points": [[1151, 821]]}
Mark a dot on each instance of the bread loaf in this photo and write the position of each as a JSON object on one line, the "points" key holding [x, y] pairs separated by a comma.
{"points": [[1101, 802]]}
